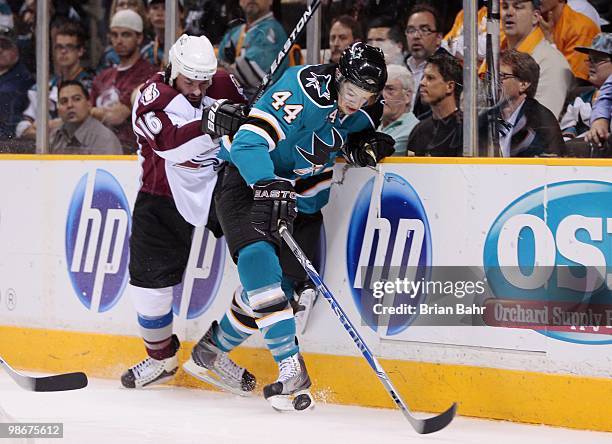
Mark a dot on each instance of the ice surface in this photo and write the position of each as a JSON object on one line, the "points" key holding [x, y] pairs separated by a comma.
{"points": [[106, 413]]}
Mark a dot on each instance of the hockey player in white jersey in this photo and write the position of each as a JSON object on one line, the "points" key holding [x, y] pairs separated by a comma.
{"points": [[179, 174]]}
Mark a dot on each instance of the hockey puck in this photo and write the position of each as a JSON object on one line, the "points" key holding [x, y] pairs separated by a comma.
{"points": [[302, 402]]}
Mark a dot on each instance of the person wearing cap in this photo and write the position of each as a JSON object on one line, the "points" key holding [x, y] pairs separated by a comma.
{"points": [[520, 20], [112, 88], [600, 58], [179, 174], [576, 121], [15, 81], [248, 50], [153, 51], [110, 57]]}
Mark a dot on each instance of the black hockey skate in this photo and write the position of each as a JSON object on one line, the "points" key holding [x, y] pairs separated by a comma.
{"points": [[291, 391], [152, 371], [214, 366]]}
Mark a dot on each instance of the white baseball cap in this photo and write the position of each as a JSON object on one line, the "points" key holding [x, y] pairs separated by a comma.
{"points": [[126, 18]]}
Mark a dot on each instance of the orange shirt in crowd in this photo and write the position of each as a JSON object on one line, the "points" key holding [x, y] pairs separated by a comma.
{"points": [[575, 29], [457, 28]]}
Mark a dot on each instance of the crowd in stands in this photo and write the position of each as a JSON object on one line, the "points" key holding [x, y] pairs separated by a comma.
{"points": [[554, 83]]}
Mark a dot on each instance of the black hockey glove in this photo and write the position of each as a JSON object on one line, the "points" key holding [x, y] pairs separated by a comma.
{"points": [[223, 118], [273, 201], [367, 148]]}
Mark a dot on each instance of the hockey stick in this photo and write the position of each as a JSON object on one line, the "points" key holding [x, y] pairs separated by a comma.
{"points": [[423, 426], [282, 55], [55, 383]]}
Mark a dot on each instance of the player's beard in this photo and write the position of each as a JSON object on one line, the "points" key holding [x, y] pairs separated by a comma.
{"points": [[195, 102]]}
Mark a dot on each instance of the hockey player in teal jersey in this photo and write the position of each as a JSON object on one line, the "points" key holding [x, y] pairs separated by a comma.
{"points": [[288, 145]]}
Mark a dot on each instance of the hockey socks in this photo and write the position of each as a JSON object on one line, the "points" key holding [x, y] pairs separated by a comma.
{"points": [[156, 331], [237, 325], [154, 309]]}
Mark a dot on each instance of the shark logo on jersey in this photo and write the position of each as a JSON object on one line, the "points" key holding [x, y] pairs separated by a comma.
{"points": [[320, 83], [320, 153]]}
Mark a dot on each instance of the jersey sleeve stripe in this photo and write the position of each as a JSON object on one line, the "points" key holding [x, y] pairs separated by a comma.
{"points": [[313, 191], [304, 186], [187, 150], [260, 132], [271, 120]]}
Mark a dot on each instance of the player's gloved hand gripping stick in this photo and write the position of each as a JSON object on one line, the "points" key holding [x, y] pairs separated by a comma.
{"points": [[274, 202], [423, 426]]}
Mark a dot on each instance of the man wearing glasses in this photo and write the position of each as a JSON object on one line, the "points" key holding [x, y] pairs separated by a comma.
{"points": [[68, 49], [600, 65], [424, 39], [527, 128]]}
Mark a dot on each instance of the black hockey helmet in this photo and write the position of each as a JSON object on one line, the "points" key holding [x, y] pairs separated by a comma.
{"points": [[364, 66]]}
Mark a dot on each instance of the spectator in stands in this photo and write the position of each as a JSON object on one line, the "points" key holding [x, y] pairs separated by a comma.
{"points": [[599, 135], [528, 128], [110, 57], [153, 52], [567, 29], [68, 50], [424, 39], [577, 118], [25, 23], [520, 20], [112, 88], [248, 50], [440, 134], [586, 8], [389, 38], [344, 31], [397, 119], [6, 16], [80, 133], [15, 81], [453, 40]]}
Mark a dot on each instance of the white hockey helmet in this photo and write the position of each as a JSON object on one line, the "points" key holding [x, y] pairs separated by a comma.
{"points": [[194, 57]]}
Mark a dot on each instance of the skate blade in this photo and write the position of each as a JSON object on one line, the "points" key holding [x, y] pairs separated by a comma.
{"points": [[299, 401], [203, 374], [157, 381]]}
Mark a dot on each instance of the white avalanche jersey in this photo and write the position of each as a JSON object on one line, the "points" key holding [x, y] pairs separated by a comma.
{"points": [[177, 159]]}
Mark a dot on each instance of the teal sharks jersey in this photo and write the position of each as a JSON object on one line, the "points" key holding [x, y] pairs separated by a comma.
{"points": [[295, 131]]}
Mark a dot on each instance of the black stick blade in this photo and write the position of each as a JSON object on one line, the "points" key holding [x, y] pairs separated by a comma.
{"points": [[431, 425], [60, 383]]}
